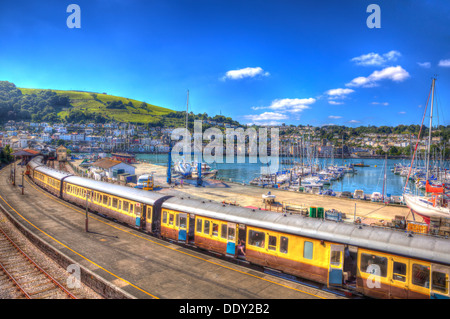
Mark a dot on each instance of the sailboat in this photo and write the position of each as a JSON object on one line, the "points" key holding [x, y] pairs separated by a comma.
{"points": [[437, 203], [191, 170]]}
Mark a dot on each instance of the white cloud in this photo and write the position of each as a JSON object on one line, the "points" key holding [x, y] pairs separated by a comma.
{"points": [[245, 73], [288, 105], [339, 92], [445, 63], [426, 65], [402, 112], [379, 103], [354, 121], [266, 118], [334, 117], [372, 58], [335, 94], [394, 73]]}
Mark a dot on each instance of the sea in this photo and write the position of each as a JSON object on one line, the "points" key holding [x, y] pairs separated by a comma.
{"points": [[369, 179]]}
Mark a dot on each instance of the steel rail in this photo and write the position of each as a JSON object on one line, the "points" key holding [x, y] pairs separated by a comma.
{"points": [[36, 266]]}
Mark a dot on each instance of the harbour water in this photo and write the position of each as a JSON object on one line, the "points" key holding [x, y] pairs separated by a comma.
{"points": [[369, 179]]}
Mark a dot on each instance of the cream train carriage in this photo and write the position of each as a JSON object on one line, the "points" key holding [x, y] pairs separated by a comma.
{"points": [[376, 262]]}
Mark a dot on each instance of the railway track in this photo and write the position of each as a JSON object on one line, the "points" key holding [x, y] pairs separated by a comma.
{"points": [[22, 277], [27, 273]]}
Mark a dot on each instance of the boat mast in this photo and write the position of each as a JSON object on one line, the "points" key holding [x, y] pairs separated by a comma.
{"points": [[384, 178], [187, 108], [431, 123], [187, 115]]}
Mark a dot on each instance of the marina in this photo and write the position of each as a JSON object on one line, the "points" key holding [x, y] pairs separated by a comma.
{"points": [[368, 179], [242, 194]]}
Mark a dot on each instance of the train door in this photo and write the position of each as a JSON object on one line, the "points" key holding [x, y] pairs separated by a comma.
{"points": [[138, 213], [399, 285], [336, 265], [182, 227], [191, 227], [242, 239], [439, 282], [231, 239]]}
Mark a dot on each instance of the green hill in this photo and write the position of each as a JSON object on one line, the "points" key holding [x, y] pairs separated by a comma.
{"points": [[109, 106], [46, 105]]}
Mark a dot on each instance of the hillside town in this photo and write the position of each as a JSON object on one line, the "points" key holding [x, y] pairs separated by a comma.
{"points": [[96, 138]]}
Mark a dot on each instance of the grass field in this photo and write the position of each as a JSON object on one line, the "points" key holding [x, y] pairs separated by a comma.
{"points": [[96, 103]]}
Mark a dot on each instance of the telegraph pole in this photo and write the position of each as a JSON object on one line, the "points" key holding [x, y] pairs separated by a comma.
{"points": [[87, 204]]}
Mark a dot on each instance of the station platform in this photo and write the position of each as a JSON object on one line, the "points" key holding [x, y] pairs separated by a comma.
{"points": [[136, 263]]}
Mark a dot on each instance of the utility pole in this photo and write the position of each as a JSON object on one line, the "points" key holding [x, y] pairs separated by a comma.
{"points": [[87, 209], [23, 185]]}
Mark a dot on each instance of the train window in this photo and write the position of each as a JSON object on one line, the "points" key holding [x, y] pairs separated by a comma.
{"points": [[374, 265], [308, 248], [223, 232], [272, 243], [105, 200], [399, 271], [149, 212], [114, 202], [231, 233], [215, 229], [126, 206], [284, 245], [206, 229], [420, 275], [170, 219], [256, 238], [199, 225], [335, 257], [183, 221], [164, 217], [439, 282]]}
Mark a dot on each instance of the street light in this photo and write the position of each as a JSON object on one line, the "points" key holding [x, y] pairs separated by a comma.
{"points": [[87, 209]]}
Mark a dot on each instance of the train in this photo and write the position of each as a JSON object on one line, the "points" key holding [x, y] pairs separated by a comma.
{"points": [[372, 261]]}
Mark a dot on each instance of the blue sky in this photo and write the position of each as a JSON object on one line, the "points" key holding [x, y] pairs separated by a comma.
{"points": [[293, 62]]}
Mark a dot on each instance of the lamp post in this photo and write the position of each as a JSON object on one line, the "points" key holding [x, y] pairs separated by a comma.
{"points": [[23, 185], [87, 204]]}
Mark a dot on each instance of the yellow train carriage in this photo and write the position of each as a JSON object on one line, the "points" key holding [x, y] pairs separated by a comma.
{"points": [[292, 254], [121, 209], [383, 275], [52, 184], [177, 225], [216, 235]]}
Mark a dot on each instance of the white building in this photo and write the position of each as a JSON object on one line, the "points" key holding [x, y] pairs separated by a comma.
{"points": [[109, 165]]}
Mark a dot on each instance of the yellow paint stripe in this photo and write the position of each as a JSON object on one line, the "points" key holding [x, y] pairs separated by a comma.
{"points": [[174, 249]]}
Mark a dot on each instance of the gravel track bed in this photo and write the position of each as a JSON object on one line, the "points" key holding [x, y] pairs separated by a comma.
{"points": [[33, 278]]}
